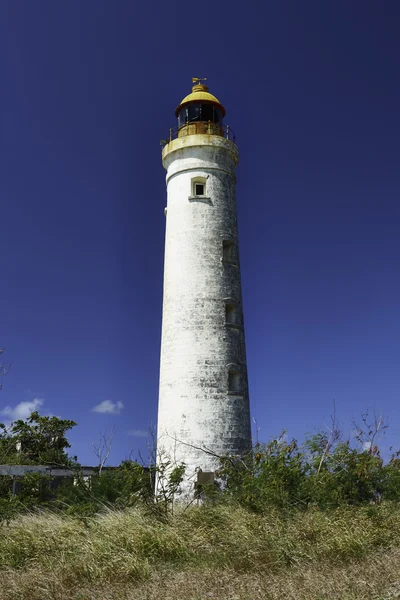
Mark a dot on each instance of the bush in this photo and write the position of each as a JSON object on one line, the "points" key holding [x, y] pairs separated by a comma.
{"points": [[119, 488], [321, 472]]}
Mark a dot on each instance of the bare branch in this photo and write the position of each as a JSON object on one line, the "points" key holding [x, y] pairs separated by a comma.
{"points": [[257, 430], [3, 369], [102, 450], [367, 432], [334, 435], [233, 459]]}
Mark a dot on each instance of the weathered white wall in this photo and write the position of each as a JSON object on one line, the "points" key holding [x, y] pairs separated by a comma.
{"points": [[196, 409]]}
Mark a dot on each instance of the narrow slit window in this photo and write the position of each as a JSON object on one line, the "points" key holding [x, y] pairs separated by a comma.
{"points": [[227, 250], [230, 314], [234, 381]]}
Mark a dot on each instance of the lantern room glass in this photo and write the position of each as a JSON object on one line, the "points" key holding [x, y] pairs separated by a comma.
{"points": [[195, 112]]}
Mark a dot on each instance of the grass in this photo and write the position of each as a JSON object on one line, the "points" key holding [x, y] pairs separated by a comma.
{"points": [[217, 553]]}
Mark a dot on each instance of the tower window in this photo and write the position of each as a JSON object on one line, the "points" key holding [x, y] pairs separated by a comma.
{"points": [[199, 186], [199, 189], [227, 250], [234, 381], [230, 314]]}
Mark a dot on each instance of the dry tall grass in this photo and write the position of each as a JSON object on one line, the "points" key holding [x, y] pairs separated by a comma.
{"points": [[219, 553]]}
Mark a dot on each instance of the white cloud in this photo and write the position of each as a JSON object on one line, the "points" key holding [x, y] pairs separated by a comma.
{"points": [[108, 406], [138, 433], [22, 410]]}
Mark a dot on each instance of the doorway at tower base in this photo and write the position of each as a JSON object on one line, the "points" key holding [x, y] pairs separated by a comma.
{"points": [[183, 483], [206, 486], [193, 490]]}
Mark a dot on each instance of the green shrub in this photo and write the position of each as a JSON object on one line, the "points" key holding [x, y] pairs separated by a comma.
{"points": [[321, 472]]}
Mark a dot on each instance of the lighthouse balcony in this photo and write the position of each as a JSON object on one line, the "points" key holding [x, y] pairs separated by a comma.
{"points": [[200, 128]]}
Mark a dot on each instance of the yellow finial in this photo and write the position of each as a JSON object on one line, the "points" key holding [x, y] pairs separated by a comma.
{"points": [[198, 79]]}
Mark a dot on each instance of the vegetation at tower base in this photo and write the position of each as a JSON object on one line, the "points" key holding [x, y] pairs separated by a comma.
{"points": [[301, 521], [325, 471], [285, 476]]}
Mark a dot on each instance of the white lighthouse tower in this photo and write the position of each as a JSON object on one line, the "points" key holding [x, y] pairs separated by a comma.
{"points": [[203, 400]]}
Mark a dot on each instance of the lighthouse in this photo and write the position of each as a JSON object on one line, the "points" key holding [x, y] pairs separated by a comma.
{"points": [[203, 409]]}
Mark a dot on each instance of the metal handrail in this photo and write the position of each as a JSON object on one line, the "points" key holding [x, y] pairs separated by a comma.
{"points": [[194, 127]]}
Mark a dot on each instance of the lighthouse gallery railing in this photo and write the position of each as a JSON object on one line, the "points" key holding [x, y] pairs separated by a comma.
{"points": [[200, 127]]}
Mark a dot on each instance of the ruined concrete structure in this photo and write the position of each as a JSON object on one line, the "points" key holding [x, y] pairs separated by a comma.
{"points": [[203, 398]]}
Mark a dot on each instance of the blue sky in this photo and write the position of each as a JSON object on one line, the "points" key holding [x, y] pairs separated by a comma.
{"points": [[312, 91]]}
